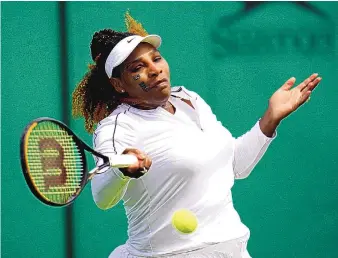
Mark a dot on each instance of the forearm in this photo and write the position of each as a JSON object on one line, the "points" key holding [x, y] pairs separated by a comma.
{"points": [[249, 149], [108, 188]]}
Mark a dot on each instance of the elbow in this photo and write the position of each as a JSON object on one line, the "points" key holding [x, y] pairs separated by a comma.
{"points": [[104, 203], [106, 194], [242, 174], [100, 203], [102, 206]]}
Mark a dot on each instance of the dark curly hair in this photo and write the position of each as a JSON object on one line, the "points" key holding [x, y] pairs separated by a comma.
{"points": [[95, 98]]}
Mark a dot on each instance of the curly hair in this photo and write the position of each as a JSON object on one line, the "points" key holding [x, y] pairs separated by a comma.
{"points": [[94, 98]]}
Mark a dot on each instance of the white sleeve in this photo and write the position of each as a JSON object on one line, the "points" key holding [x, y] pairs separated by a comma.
{"points": [[249, 148], [112, 137]]}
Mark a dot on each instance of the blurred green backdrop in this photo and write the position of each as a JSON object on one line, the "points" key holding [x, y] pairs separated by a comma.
{"points": [[235, 55]]}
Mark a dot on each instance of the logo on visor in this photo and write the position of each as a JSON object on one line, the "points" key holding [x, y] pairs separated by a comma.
{"points": [[130, 40]]}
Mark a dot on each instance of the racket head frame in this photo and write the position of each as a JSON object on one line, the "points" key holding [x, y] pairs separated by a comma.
{"points": [[81, 147]]}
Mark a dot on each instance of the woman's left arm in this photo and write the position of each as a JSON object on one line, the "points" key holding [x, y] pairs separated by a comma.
{"points": [[250, 147]]}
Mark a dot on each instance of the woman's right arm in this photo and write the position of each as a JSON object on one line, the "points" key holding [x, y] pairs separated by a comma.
{"points": [[112, 136]]}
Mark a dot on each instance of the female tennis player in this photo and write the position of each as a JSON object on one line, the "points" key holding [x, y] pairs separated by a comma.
{"points": [[186, 158]]}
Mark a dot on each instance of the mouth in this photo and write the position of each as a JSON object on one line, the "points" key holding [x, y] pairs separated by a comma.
{"points": [[158, 83]]}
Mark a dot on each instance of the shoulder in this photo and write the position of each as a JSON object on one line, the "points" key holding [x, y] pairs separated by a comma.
{"points": [[117, 128], [119, 118]]}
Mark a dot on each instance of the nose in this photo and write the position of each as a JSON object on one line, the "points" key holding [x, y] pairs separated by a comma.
{"points": [[154, 70]]}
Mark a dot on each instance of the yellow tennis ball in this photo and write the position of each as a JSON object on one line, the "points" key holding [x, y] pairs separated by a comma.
{"points": [[184, 221]]}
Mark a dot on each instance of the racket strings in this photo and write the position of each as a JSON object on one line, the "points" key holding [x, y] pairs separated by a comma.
{"points": [[55, 162]]}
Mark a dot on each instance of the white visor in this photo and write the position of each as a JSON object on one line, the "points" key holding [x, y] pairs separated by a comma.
{"points": [[124, 48]]}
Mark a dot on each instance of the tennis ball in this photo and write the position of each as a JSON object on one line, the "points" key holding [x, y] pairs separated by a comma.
{"points": [[184, 221]]}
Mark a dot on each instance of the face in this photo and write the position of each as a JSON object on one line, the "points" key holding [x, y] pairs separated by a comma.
{"points": [[145, 76]]}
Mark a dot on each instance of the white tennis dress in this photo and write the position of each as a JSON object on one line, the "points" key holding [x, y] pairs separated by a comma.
{"points": [[194, 163]]}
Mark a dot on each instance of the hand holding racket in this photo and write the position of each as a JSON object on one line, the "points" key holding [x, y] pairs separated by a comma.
{"points": [[138, 169], [54, 163]]}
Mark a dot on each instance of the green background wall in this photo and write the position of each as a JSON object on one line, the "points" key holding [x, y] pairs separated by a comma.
{"points": [[290, 201], [30, 82]]}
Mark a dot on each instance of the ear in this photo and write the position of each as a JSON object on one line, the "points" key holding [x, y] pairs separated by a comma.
{"points": [[117, 84]]}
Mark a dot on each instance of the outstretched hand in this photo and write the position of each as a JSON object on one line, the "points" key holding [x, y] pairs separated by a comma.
{"points": [[287, 99]]}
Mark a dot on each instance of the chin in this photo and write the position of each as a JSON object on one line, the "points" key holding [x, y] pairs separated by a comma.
{"points": [[162, 95], [166, 92]]}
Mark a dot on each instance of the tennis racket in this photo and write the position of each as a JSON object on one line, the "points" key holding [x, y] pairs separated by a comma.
{"points": [[54, 163]]}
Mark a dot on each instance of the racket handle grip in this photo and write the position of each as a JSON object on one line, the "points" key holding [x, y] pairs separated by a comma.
{"points": [[122, 161]]}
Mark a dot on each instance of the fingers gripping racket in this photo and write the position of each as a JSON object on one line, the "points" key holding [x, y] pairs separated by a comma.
{"points": [[54, 163]]}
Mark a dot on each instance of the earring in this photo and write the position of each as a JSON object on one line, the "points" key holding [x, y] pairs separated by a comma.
{"points": [[122, 91]]}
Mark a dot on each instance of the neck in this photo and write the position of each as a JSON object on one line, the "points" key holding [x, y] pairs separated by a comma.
{"points": [[167, 106], [148, 106]]}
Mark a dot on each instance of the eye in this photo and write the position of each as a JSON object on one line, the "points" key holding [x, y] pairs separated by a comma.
{"points": [[136, 69], [157, 59]]}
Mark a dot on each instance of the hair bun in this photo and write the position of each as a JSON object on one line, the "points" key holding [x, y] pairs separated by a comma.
{"points": [[102, 42]]}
